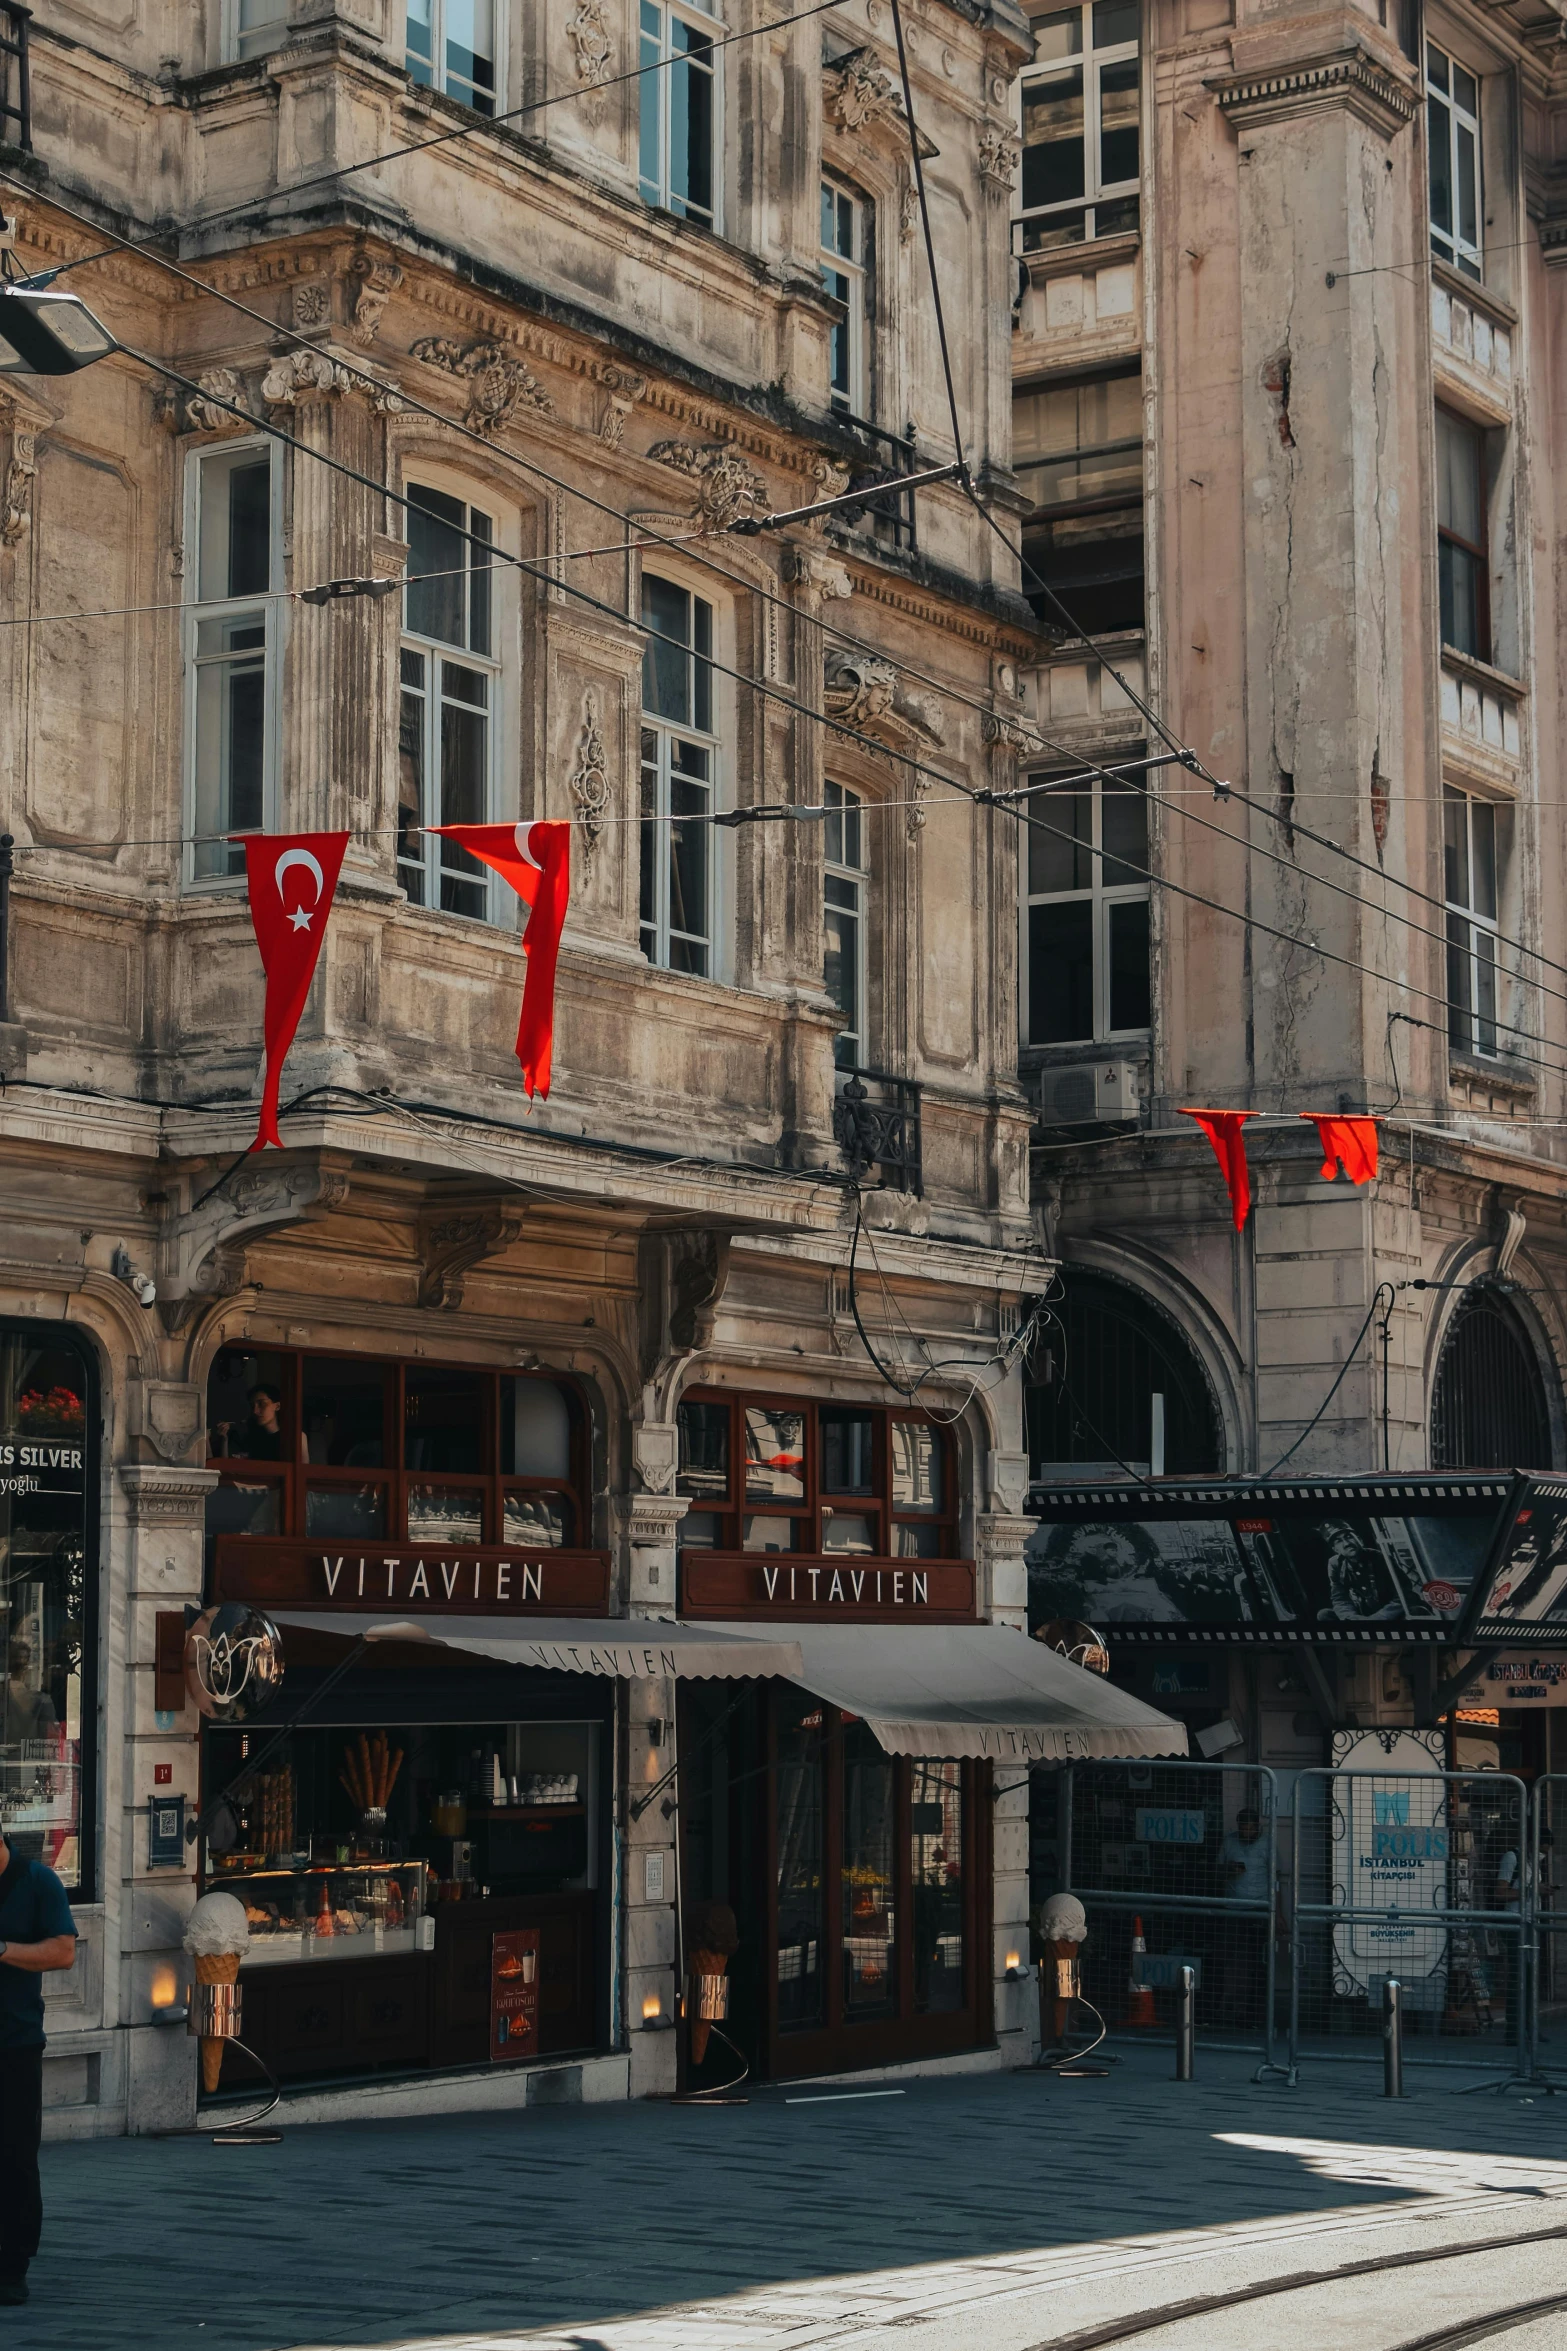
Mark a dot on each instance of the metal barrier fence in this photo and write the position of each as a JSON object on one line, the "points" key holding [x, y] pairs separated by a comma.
{"points": [[1545, 1898], [1406, 1874], [1167, 1848]]}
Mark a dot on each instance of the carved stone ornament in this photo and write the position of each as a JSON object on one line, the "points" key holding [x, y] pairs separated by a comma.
{"points": [[499, 380], [312, 301], [316, 375], [727, 489], [451, 1244], [589, 781], [624, 390], [378, 282], [908, 211], [1350, 78], [166, 1494], [998, 152], [1004, 732], [198, 412], [859, 94], [810, 570], [16, 509], [870, 696], [588, 32], [681, 1275], [167, 1414]]}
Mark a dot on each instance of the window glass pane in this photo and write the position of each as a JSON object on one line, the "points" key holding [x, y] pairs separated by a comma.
{"points": [[1124, 822], [347, 1512], [410, 780], [1060, 35], [243, 1507], [1115, 21], [1459, 493], [1455, 848], [437, 561], [1482, 838], [704, 1450], [421, 42], [1458, 584], [1458, 984], [246, 1418], [1484, 990], [1468, 186], [650, 845], [479, 579], [702, 680], [230, 729], [650, 95], [916, 1466], [1130, 1006], [774, 1454], [1055, 863], [1053, 139], [869, 1936], [544, 1521], [849, 1530], [769, 1533], [1436, 67], [343, 1412], [691, 122], [848, 1451], [841, 955], [445, 1514], [236, 524], [445, 1419], [666, 669], [1061, 972], [1466, 90], [1118, 122], [700, 1530], [936, 1859], [914, 1538], [1439, 146], [801, 1861], [470, 52], [689, 835], [535, 1429], [45, 1449]]}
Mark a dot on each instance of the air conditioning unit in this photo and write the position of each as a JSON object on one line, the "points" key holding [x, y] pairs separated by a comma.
{"points": [[1093, 1093]]}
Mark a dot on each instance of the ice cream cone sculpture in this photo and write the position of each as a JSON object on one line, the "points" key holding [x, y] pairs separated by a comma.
{"points": [[217, 1937]]}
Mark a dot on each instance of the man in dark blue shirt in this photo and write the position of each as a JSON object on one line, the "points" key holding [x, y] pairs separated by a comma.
{"points": [[37, 1934]]}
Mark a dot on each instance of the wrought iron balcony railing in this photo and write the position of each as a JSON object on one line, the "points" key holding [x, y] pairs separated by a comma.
{"points": [[876, 1123]]}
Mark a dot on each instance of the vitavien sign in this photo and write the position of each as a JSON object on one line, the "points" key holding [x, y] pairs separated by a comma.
{"points": [[469, 1579]]}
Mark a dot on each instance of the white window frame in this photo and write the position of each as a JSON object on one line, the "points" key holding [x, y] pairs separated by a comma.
{"points": [[845, 863], [655, 188], [656, 933], [1479, 946], [1101, 899], [1091, 61], [1462, 253], [268, 607], [242, 41], [851, 269], [461, 89], [434, 862]]}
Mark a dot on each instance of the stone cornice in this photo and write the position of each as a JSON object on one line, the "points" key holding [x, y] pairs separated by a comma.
{"points": [[1348, 77]]}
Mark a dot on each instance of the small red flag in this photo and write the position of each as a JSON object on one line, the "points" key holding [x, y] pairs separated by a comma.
{"points": [[1223, 1130], [291, 879], [1347, 1143], [536, 860]]}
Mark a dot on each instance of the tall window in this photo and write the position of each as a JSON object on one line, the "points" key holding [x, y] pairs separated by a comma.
{"points": [[678, 155], [1080, 126], [844, 224], [447, 716], [843, 918], [451, 47], [1086, 947], [765, 1475], [232, 652], [679, 761], [256, 26], [1471, 849], [1463, 563], [1078, 453], [1453, 136]]}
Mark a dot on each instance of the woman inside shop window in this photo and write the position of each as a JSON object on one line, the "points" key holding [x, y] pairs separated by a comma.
{"points": [[260, 1437]]}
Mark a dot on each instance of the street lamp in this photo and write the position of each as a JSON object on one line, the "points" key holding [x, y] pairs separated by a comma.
{"points": [[46, 334]]}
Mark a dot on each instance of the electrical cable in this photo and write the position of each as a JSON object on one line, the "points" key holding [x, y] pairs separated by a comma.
{"points": [[1343, 1370]]}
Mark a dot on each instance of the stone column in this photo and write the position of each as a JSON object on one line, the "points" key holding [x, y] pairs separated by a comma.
{"points": [[648, 1907], [1000, 1533], [1017, 2003], [165, 1509]]}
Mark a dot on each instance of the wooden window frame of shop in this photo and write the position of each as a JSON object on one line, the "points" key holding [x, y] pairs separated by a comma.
{"points": [[877, 1505], [293, 1475], [838, 2045]]}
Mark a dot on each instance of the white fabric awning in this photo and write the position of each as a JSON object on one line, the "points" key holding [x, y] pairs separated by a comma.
{"points": [[977, 1690], [628, 1647]]}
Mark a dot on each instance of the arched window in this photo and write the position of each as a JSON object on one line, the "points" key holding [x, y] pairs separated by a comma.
{"points": [[1106, 1372], [1488, 1408]]}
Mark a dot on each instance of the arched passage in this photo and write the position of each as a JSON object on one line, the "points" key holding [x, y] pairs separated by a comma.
{"points": [[1094, 1376], [1488, 1403]]}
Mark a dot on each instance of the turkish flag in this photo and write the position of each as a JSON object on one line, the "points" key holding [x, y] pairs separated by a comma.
{"points": [[1223, 1130], [1347, 1143], [291, 878], [536, 860]]}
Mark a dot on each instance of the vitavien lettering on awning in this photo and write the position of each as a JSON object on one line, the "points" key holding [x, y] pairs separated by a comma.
{"points": [[1340, 1560]]}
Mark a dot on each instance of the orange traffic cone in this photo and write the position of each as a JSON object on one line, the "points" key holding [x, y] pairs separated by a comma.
{"points": [[1141, 2010]]}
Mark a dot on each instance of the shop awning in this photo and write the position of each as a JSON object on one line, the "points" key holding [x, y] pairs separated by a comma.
{"points": [[628, 1647], [980, 1690]]}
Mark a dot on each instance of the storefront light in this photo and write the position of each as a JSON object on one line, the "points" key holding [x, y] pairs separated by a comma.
{"points": [[47, 334], [653, 2018], [164, 1994], [1017, 1973]]}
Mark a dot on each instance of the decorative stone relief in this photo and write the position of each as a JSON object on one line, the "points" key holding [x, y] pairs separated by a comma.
{"points": [[312, 298], [859, 94], [830, 580], [908, 211], [316, 375], [624, 390], [588, 32], [727, 489], [378, 282], [451, 1245], [1350, 78], [16, 508], [589, 782], [168, 1414], [998, 152], [198, 412], [870, 696], [499, 380], [160, 1495]]}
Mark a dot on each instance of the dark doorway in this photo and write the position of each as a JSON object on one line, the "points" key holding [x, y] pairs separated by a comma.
{"points": [[1488, 1410], [1093, 1379]]}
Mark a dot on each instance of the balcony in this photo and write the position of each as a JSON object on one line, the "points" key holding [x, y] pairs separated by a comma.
{"points": [[876, 1121], [1472, 346], [1482, 721]]}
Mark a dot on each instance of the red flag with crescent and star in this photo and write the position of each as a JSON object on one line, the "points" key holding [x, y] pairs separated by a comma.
{"points": [[1347, 1143], [291, 878], [1223, 1130], [536, 860]]}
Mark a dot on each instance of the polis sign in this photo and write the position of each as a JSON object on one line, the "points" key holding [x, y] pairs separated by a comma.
{"points": [[414, 1578]]}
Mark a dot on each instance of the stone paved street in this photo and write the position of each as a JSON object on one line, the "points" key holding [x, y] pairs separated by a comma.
{"points": [[999, 2210]]}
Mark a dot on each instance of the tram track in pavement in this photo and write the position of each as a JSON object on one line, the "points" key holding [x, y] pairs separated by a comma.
{"points": [[1456, 2337]]}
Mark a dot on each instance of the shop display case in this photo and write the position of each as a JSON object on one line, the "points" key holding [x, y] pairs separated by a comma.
{"points": [[303, 1908]]}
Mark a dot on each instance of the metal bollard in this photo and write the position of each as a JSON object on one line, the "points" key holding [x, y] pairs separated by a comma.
{"points": [[1185, 2023], [1392, 2037]]}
